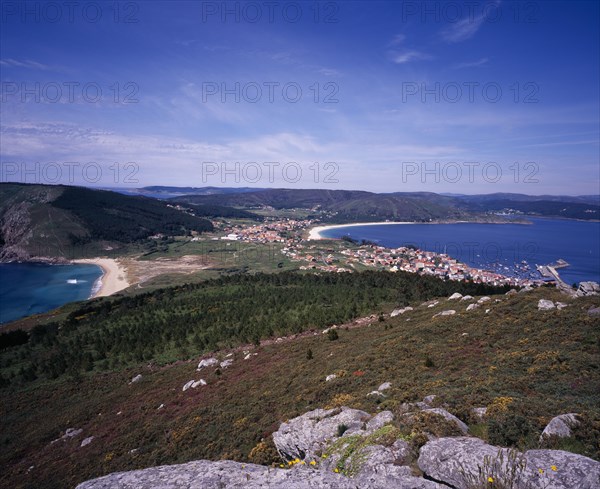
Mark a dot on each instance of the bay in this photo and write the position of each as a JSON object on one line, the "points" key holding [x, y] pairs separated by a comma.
{"points": [[32, 288], [511, 249]]}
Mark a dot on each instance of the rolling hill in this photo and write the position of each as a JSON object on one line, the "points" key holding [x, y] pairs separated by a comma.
{"points": [[60, 221], [354, 205], [343, 205]]}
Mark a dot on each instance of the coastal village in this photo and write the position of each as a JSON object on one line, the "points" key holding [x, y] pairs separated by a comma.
{"points": [[297, 240]]}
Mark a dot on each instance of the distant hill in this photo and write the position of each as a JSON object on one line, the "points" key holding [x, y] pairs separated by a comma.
{"points": [[584, 207], [54, 221], [221, 211], [343, 205], [577, 199], [166, 192], [354, 205]]}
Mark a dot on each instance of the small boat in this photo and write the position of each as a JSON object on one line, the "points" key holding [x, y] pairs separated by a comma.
{"points": [[72, 281]]}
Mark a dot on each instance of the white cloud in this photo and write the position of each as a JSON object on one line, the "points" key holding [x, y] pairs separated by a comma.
{"points": [[407, 56]]}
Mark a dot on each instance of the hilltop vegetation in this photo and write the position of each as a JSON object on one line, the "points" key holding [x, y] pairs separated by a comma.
{"points": [[58, 221], [169, 324], [525, 365]]}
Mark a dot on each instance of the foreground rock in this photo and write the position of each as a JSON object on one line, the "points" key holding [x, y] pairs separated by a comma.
{"points": [[457, 462], [204, 474], [346, 448]]}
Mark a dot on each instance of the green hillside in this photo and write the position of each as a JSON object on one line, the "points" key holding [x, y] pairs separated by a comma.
{"points": [[526, 365], [351, 205], [63, 221], [343, 205]]}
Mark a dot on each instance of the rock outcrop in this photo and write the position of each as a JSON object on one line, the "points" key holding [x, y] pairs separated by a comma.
{"points": [[226, 474], [308, 435], [346, 448], [458, 461], [588, 288]]}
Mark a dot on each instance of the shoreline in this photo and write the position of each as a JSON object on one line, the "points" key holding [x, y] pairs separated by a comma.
{"points": [[113, 279], [315, 232]]}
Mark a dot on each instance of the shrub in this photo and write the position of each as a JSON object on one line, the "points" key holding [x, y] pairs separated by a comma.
{"points": [[264, 453], [332, 335], [511, 430]]}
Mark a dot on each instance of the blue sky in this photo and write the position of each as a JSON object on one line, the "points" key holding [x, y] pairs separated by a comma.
{"points": [[462, 97]]}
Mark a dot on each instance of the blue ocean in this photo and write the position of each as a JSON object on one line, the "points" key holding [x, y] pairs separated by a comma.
{"points": [[31, 288], [511, 249]]}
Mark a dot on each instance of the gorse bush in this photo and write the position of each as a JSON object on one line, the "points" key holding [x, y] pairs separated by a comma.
{"points": [[511, 430]]}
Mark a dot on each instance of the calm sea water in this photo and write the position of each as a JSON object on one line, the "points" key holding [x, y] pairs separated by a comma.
{"points": [[31, 288], [506, 248]]}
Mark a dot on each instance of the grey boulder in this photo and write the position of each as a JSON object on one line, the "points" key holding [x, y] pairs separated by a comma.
{"points": [[454, 460], [560, 426], [545, 305]]}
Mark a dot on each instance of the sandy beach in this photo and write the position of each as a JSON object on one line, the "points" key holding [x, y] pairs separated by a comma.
{"points": [[315, 233], [114, 278]]}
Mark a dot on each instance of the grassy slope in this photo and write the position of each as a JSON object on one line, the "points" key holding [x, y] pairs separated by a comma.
{"points": [[548, 361]]}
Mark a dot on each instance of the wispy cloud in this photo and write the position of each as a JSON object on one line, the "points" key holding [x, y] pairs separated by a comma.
{"points": [[401, 55], [329, 72], [407, 56], [471, 64], [462, 30], [465, 28], [26, 63], [397, 39]]}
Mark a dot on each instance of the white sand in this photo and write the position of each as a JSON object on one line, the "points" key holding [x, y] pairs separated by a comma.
{"points": [[315, 233], [114, 278]]}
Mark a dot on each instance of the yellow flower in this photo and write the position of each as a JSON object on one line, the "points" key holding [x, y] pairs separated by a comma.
{"points": [[324, 455], [541, 471], [554, 468], [490, 479], [302, 462], [336, 470], [281, 465], [312, 462]]}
